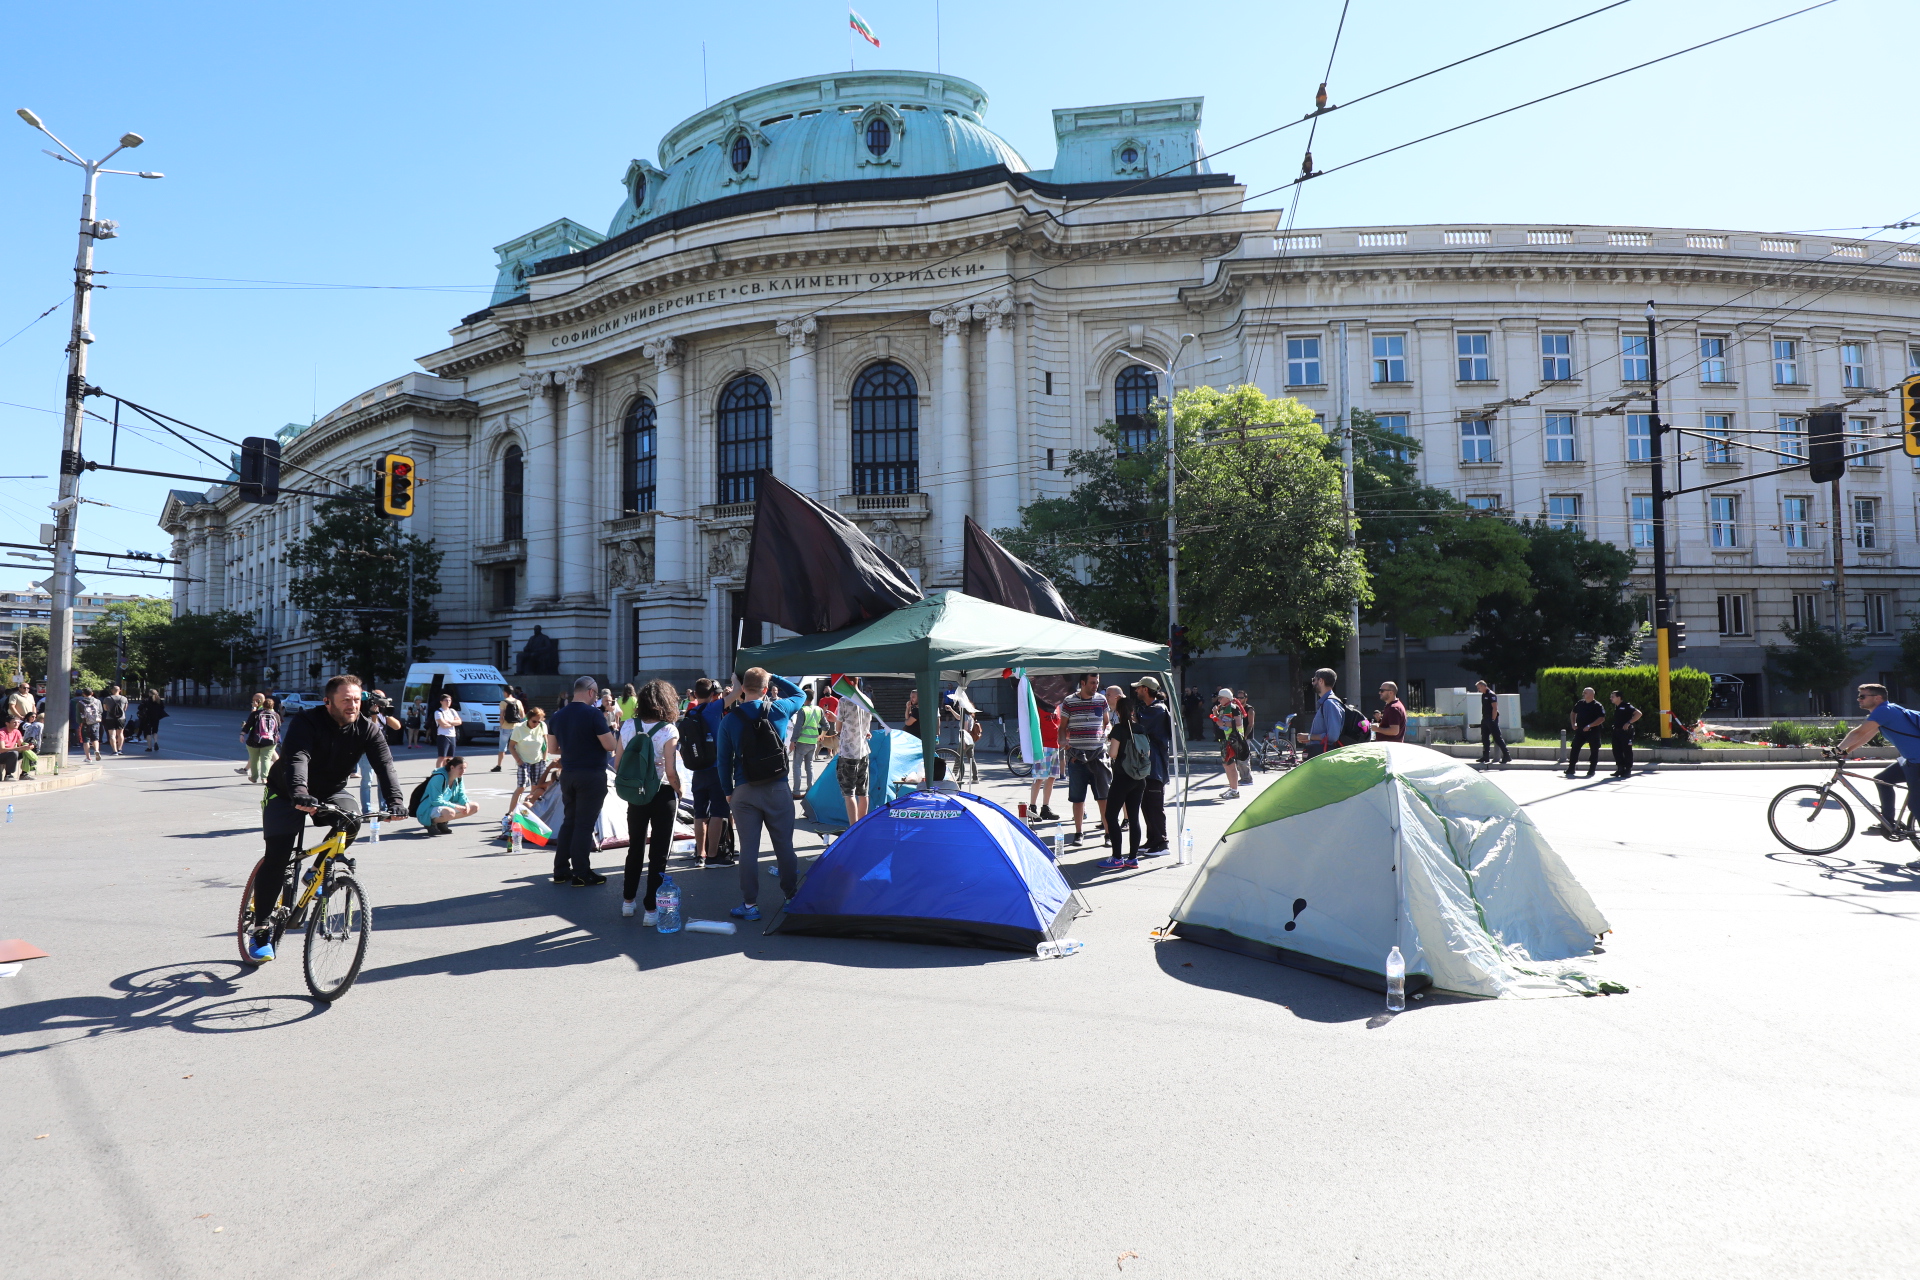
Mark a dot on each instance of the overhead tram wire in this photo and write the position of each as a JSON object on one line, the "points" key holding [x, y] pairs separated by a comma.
{"points": [[64, 299]]}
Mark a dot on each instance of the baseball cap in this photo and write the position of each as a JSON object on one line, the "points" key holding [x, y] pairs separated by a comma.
{"points": [[1148, 682], [1224, 693]]}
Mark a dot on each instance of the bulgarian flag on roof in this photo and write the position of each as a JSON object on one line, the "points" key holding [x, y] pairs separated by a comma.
{"points": [[859, 24], [844, 687], [1030, 742]]}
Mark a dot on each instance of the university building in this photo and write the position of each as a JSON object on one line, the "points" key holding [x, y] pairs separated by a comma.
{"points": [[851, 280]]}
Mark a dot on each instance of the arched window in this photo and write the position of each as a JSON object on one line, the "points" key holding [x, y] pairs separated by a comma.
{"points": [[886, 430], [513, 499], [741, 153], [1133, 394], [745, 430], [879, 136], [637, 443]]}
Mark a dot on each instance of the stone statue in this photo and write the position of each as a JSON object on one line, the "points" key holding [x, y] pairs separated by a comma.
{"points": [[728, 558], [541, 657], [629, 565]]}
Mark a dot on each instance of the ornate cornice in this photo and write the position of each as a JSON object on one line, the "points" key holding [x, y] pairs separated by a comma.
{"points": [[406, 404]]}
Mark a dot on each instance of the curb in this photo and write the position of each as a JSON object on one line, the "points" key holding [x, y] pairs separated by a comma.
{"points": [[52, 782]]}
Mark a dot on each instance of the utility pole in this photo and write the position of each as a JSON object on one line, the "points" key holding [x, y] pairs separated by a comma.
{"points": [[67, 508], [1351, 677], [1839, 567], [1662, 612]]}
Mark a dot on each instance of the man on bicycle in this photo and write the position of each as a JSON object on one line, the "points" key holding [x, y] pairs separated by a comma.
{"points": [[319, 756], [1902, 728]]}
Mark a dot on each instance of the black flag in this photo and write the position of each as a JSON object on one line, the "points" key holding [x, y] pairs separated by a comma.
{"points": [[996, 575], [811, 570]]}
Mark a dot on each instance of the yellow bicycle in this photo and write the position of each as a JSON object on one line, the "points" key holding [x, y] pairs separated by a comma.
{"points": [[328, 901]]}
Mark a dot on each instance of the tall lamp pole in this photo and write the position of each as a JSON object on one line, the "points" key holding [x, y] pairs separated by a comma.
{"points": [[1662, 611], [67, 508]]}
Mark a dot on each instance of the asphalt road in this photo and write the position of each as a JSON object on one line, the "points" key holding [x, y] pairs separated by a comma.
{"points": [[524, 1084]]}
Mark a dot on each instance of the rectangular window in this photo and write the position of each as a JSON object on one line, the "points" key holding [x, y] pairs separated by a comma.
{"points": [[1633, 358], [1563, 511], [1389, 357], [1556, 357], [1853, 364], [1483, 502], [1716, 426], [1723, 522], [1796, 526], [1397, 424], [1471, 349], [1733, 615], [1793, 436], [1860, 438], [1639, 437], [1806, 610], [1476, 440], [1786, 362], [1560, 438], [1713, 359], [1913, 359], [1640, 519], [1303, 362], [1049, 382], [1879, 613], [1866, 523]]}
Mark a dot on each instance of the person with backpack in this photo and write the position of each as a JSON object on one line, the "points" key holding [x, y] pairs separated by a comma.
{"points": [[699, 754], [1329, 713], [512, 713], [259, 733], [753, 772], [443, 797], [1230, 718], [1132, 764], [806, 743], [649, 781], [1154, 723]]}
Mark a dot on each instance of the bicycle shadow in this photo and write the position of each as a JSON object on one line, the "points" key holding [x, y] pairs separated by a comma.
{"points": [[174, 996], [1863, 873]]}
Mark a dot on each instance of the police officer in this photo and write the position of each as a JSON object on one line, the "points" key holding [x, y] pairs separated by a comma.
{"points": [[1587, 718], [1625, 716]]}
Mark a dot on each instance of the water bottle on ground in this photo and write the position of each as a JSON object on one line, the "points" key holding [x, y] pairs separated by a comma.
{"points": [[1186, 847], [1059, 846], [9, 813], [1396, 981], [373, 829], [667, 903], [1051, 950], [517, 837]]}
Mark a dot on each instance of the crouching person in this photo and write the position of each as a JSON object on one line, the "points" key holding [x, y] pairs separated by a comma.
{"points": [[445, 798]]}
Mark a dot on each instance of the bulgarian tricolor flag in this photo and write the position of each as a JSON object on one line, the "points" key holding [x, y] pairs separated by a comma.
{"points": [[859, 24], [1030, 742], [844, 687], [531, 827]]}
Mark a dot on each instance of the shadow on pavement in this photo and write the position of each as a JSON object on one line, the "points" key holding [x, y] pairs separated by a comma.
{"points": [[1305, 995], [1863, 873], [195, 996]]}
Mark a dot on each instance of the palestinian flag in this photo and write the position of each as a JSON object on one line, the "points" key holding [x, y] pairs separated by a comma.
{"points": [[859, 24], [1030, 743], [531, 828], [844, 687]]}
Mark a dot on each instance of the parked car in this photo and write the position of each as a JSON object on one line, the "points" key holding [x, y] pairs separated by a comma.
{"points": [[294, 702]]}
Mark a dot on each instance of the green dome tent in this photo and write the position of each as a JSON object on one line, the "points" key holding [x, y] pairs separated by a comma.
{"points": [[1382, 845]]}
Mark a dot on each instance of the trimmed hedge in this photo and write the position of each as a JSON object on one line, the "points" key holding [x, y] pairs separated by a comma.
{"points": [[1559, 688]]}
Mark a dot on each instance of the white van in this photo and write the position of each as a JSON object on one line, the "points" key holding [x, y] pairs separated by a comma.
{"points": [[476, 689]]}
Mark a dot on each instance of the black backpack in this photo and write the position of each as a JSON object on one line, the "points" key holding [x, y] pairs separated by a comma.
{"points": [[420, 793], [697, 749], [763, 757], [1351, 726]]}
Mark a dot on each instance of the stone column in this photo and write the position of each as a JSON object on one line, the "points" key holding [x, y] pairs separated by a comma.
{"points": [[671, 500], [952, 490], [1003, 461], [803, 405], [540, 491], [575, 505]]}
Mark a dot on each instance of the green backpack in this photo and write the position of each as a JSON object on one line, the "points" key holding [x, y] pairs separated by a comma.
{"points": [[637, 780]]}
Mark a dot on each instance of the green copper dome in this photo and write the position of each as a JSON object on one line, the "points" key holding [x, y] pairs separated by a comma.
{"points": [[834, 128]]}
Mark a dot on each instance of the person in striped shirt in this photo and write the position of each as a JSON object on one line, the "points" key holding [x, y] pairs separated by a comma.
{"points": [[1085, 720]]}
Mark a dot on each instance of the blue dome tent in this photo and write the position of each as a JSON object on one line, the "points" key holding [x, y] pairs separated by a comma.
{"points": [[893, 765], [935, 866]]}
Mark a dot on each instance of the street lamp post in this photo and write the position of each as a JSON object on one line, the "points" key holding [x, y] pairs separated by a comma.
{"points": [[67, 508]]}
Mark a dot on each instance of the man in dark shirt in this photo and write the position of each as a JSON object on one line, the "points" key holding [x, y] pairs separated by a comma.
{"points": [[581, 735], [319, 755], [1625, 716], [1156, 724], [1490, 726], [1586, 718], [1391, 724]]}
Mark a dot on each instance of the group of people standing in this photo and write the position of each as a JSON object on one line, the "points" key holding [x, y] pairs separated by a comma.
{"points": [[1112, 744], [100, 722]]}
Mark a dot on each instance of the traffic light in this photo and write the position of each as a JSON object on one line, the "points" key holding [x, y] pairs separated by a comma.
{"points": [[259, 469], [1182, 652], [1910, 414], [1676, 639], [396, 485], [1827, 459]]}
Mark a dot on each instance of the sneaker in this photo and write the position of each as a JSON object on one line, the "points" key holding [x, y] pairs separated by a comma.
{"points": [[1115, 864], [626, 908], [260, 950], [1074, 838], [442, 829], [1155, 853], [745, 911], [1877, 829], [563, 877], [1048, 813], [588, 880], [496, 768], [650, 918], [1231, 795]]}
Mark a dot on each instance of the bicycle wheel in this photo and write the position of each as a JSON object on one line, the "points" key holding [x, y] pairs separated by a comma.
{"points": [[1810, 819], [243, 927], [340, 921], [1016, 763]]}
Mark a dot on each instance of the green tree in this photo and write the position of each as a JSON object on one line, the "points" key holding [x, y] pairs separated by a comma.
{"points": [[1579, 596], [1815, 660], [33, 644], [145, 625], [352, 570], [206, 648]]}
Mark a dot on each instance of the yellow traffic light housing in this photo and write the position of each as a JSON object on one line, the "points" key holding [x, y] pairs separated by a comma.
{"points": [[1910, 414], [396, 485]]}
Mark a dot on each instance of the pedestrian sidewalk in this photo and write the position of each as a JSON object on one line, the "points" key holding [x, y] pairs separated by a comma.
{"points": [[74, 775]]}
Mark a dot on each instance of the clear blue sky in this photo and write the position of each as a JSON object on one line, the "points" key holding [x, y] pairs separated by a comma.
{"points": [[395, 144]]}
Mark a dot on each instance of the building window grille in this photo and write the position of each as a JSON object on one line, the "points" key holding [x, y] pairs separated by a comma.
{"points": [[741, 154], [1556, 357], [1640, 519], [1639, 437], [1716, 426], [1713, 359], [745, 428], [639, 439], [1476, 440], [513, 489], [1303, 362], [1133, 394], [1633, 357], [1733, 615], [1866, 523], [1793, 436], [1471, 353], [1806, 610], [1786, 362], [1389, 357], [886, 430], [1723, 523], [1563, 511], [1796, 528], [879, 136], [1860, 438], [1853, 364], [1560, 438]]}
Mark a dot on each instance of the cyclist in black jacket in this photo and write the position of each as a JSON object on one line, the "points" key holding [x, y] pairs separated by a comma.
{"points": [[319, 757]]}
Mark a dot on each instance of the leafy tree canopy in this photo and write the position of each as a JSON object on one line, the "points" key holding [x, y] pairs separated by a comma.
{"points": [[351, 571], [146, 625], [1578, 596], [1815, 659]]}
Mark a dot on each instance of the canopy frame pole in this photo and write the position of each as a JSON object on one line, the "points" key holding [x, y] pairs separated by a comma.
{"points": [[928, 683], [1180, 767]]}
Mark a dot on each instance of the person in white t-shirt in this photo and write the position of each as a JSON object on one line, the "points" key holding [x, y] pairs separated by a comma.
{"points": [[650, 826], [853, 723], [446, 730]]}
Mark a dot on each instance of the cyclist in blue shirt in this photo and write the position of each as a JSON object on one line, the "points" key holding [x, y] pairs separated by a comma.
{"points": [[1902, 727]]}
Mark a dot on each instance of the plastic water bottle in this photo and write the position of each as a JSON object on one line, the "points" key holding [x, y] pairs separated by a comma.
{"points": [[9, 813], [1186, 847], [667, 902], [373, 829], [516, 836], [1060, 950], [1059, 845], [1396, 981]]}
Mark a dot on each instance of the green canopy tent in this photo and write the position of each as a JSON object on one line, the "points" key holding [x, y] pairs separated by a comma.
{"points": [[954, 634]]}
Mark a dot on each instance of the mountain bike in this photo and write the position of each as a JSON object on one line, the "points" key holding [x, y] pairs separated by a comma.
{"points": [[328, 901], [1816, 819]]}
